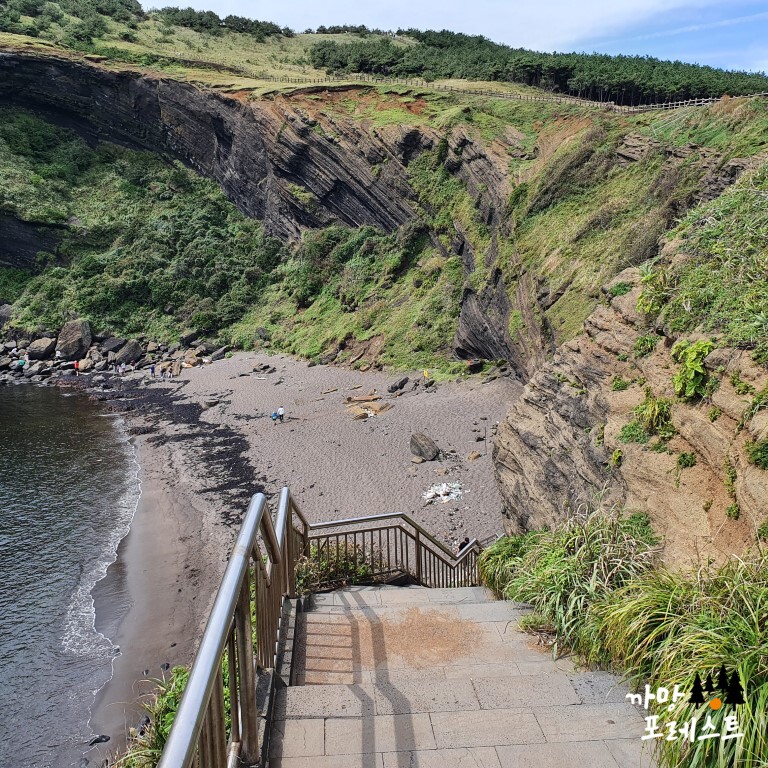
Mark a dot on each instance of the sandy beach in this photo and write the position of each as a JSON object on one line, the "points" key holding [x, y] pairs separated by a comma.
{"points": [[206, 443]]}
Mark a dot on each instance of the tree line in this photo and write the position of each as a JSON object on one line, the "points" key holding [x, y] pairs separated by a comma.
{"points": [[626, 80], [208, 21]]}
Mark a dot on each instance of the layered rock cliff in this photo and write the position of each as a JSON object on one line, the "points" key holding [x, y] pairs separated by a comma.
{"points": [[559, 446]]}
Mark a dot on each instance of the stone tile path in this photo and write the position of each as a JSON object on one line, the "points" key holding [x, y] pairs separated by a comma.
{"points": [[415, 678]]}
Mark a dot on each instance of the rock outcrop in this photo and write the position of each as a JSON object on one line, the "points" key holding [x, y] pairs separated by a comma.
{"points": [[559, 447], [74, 340]]}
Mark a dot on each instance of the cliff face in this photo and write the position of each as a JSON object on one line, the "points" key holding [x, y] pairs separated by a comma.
{"points": [[283, 160], [254, 150], [556, 448]]}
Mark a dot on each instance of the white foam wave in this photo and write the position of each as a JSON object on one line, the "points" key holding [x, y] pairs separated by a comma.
{"points": [[80, 636]]}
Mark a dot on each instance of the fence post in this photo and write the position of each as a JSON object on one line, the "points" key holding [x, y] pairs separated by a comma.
{"points": [[249, 721], [418, 556]]}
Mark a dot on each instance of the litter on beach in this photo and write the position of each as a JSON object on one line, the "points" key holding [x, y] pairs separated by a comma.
{"points": [[442, 492]]}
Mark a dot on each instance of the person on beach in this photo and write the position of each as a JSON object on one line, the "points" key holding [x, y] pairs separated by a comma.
{"points": [[152, 371], [463, 545], [273, 416], [281, 413], [122, 369], [77, 368]]}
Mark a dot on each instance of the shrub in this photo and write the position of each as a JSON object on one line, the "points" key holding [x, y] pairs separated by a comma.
{"points": [[730, 478], [692, 378], [333, 566], [733, 511], [757, 453], [497, 562], [644, 345], [741, 387], [632, 433], [620, 289], [664, 626], [714, 414], [146, 745], [686, 459], [618, 384], [617, 457], [655, 415]]}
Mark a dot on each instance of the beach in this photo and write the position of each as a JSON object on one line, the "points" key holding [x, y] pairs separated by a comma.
{"points": [[205, 443]]}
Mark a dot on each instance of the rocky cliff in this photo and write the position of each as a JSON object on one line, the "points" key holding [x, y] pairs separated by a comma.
{"points": [[560, 444]]}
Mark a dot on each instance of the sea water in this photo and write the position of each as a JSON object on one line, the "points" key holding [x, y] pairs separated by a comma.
{"points": [[68, 490]]}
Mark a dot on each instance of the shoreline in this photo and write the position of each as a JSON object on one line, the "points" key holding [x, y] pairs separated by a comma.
{"points": [[205, 444]]}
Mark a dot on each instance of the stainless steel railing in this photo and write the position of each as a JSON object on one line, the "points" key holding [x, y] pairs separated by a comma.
{"points": [[242, 631], [255, 580]]}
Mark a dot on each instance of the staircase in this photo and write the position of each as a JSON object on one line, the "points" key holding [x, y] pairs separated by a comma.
{"points": [[396, 677]]}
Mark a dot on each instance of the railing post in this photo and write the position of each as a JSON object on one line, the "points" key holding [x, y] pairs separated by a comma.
{"points": [[418, 556], [249, 724]]}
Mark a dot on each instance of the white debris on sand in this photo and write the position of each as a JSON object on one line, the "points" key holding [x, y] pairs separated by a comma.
{"points": [[442, 492]]}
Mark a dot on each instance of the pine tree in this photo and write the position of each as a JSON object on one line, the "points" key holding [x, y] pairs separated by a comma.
{"points": [[722, 680], [709, 686], [735, 691], [697, 693]]}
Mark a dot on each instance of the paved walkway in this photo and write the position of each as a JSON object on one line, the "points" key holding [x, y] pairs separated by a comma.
{"points": [[415, 678]]}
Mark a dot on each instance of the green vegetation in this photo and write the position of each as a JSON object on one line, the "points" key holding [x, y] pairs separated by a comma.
{"points": [[155, 247], [146, 746], [757, 453], [733, 511], [741, 387], [617, 458], [618, 384], [563, 573], [686, 459], [632, 432], [620, 289], [594, 581], [692, 379], [721, 285], [730, 478], [762, 531], [333, 566], [644, 345], [654, 414], [714, 414], [623, 79]]}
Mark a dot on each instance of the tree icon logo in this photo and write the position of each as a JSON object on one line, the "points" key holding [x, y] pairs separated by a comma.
{"points": [[731, 689]]}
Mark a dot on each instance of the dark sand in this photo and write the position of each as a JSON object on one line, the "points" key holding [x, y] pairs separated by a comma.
{"points": [[200, 464]]}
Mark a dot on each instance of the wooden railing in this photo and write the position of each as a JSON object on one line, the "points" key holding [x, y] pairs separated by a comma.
{"points": [[242, 633], [384, 546]]}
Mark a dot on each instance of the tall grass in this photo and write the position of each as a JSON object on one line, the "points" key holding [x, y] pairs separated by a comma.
{"points": [[564, 572], [594, 579]]}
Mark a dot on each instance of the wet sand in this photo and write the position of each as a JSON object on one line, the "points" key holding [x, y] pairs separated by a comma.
{"points": [[201, 461]]}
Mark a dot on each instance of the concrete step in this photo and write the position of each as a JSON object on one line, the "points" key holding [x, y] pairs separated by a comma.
{"points": [[357, 597]]}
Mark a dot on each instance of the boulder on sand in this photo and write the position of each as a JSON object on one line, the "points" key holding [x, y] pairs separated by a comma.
{"points": [[41, 349], [423, 446], [74, 339], [396, 386], [129, 353]]}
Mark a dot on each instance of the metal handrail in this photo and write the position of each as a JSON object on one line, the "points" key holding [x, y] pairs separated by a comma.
{"points": [[198, 729]]}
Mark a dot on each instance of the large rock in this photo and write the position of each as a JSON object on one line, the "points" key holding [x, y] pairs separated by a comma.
{"points": [[112, 344], [424, 446], [130, 353], [5, 314], [74, 339], [41, 349]]}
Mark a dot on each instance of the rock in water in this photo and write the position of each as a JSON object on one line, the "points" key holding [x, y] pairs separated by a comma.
{"points": [[74, 340], [41, 349], [423, 446]]}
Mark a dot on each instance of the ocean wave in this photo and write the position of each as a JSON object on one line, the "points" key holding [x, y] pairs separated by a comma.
{"points": [[80, 636]]}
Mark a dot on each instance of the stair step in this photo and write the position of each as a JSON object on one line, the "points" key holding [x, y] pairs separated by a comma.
{"points": [[357, 597]]}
